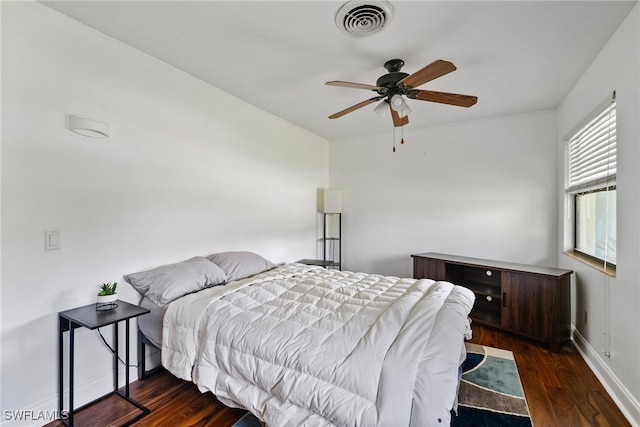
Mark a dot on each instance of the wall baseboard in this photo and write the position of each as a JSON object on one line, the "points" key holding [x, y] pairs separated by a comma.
{"points": [[629, 405]]}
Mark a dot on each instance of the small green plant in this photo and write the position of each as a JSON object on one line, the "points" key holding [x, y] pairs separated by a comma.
{"points": [[107, 289]]}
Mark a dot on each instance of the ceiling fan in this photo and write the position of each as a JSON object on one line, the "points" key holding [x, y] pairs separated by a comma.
{"points": [[393, 86]]}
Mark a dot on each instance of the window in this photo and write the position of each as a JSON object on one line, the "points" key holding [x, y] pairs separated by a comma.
{"points": [[595, 224], [591, 184]]}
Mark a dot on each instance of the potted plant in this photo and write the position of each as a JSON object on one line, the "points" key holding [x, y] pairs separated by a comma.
{"points": [[107, 296]]}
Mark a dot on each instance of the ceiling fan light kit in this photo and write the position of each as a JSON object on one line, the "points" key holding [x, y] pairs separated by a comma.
{"points": [[395, 85]]}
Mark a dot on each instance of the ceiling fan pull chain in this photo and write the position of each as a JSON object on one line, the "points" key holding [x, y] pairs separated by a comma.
{"points": [[402, 135], [394, 139]]}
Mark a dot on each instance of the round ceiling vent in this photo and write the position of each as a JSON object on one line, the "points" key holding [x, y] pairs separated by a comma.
{"points": [[358, 18]]}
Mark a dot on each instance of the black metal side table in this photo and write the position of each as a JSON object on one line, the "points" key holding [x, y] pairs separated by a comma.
{"points": [[90, 318]]}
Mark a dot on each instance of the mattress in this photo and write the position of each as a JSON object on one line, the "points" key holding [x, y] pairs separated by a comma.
{"points": [[151, 323]]}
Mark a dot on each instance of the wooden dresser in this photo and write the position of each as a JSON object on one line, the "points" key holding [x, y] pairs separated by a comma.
{"points": [[528, 300]]}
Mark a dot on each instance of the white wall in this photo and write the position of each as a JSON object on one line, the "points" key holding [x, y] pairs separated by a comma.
{"points": [[611, 302], [483, 188], [188, 170]]}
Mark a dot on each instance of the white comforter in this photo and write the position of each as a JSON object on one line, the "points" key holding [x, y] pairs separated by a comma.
{"points": [[302, 345]]}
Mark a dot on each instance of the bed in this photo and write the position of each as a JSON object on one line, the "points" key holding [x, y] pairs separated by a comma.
{"points": [[302, 345]]}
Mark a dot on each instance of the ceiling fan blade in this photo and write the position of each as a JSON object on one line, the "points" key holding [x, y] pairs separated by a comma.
{"points": [[355, 85], [397, 120], [432, 71], [355, 107], [446, 98]]}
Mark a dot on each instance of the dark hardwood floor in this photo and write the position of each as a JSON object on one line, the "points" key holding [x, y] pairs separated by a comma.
{"points": [[560, 388], [173, 402], [561, 392]]}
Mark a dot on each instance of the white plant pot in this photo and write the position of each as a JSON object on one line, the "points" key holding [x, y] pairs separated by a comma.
{"points": [[104, 299], [106, 302]]}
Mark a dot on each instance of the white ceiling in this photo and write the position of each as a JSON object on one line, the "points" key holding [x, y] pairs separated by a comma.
{"points": [[516, 56]]}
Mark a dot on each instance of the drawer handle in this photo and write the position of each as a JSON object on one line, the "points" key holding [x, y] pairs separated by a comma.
{"points": [[489, 298], [488, 273]]}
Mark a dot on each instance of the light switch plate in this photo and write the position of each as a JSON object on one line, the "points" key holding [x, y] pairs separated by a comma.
{"points": [[52, 240]]}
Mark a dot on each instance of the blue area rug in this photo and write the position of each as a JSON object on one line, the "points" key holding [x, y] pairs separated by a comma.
{"points": [[490, 393], [248, 420]]}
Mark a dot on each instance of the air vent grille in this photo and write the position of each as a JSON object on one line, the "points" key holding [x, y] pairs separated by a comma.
{"points": [[362, 18]]}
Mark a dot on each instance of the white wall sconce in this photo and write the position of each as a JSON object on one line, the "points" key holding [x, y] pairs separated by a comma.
{"points": [[88, 127]]}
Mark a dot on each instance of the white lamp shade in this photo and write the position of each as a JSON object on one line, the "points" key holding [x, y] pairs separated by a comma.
{"points": [[397, 102], [404, 111], [88, 127], [382, 109], [332, 201]]}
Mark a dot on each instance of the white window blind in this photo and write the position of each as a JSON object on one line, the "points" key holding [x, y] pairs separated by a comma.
{"points": [[591, 153]]}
